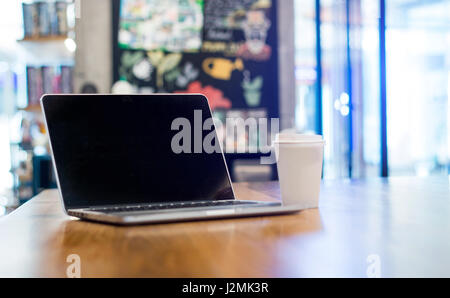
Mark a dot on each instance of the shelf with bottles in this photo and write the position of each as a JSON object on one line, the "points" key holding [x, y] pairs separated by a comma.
{"points": [[60, 38], [47, 20], [31, 165], [22, 171], [29, 148], [47, 80], [48, 32], [32, 172]]}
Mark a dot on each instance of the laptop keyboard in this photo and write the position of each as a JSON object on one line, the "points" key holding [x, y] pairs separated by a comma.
{"points": [[178, 205]]}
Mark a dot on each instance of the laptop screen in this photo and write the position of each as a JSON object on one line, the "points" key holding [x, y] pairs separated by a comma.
{"points": [[115, 149]]}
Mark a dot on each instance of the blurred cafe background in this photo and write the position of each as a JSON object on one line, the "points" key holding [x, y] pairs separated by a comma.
{"points": [[371, 76]]}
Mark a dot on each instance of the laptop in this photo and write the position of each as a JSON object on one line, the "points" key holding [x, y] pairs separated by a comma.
{"points": [[136, 159]]}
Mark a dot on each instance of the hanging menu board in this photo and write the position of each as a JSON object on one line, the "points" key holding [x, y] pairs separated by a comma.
{"points": [[226, 50]]}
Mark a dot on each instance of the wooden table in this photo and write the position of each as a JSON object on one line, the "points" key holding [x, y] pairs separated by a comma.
{"points": [[401, 225]]}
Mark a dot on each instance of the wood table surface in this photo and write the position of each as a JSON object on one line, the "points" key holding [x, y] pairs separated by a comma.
{"points": [[403, 222]]}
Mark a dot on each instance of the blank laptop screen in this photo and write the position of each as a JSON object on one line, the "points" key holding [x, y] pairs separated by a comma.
{"points": [[114, 149]]}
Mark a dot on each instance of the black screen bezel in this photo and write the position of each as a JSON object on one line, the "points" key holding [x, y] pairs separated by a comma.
{"points": [[47, 100]]}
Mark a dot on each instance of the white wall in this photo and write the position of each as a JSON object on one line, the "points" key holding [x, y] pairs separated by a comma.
{"points": [[93, 59]]}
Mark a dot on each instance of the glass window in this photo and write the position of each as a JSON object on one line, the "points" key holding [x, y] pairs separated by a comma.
{"points": [[365, 50], [335, 97], [418, 67], [305, 66], [9, 31]]}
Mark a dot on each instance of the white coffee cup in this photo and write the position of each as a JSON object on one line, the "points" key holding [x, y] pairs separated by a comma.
{"points": [[299, 163]]}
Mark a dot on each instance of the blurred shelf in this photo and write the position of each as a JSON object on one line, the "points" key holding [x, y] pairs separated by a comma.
{"points": [[45, 50], [32, 108], [39, 39]]}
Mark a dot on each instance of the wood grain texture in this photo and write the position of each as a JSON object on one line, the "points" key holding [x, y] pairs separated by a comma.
{"points": [[406, 221]]}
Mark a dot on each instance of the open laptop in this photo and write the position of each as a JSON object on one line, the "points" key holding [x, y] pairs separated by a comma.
{"points": [[122, 159]]}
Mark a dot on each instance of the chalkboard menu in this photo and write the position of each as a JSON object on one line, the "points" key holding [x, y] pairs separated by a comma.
{"points": [[225, 49]]}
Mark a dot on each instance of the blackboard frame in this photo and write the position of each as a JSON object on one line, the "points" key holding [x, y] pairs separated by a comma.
{"points": [[271, 106]]}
